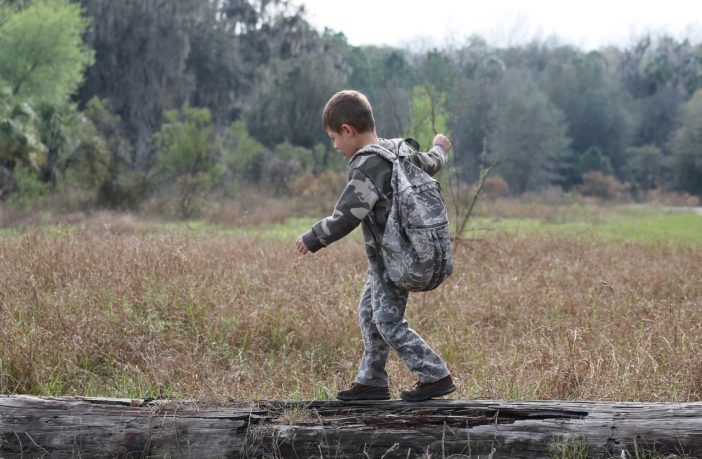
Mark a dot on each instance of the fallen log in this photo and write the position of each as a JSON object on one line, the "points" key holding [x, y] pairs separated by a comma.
{"points": [[93, 427]]}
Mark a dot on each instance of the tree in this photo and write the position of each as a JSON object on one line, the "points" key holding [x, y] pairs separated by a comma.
{"points": [[435, 75], [20, 142], [593, 159], [242, 155], [428, 114], [596, 107], [654, 63], [471, 105], [103, 157], [54, 124], [658, 117], [284, 164], [289, 105], [141, 51], [471, 97], [221, 75], [687, 147], [232, 42], [646, 167], [42, 54], [390, 89], [661, 74], [530, 135]]}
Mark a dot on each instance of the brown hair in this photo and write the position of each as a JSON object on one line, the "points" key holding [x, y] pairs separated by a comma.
{"points": [[348, 107]]}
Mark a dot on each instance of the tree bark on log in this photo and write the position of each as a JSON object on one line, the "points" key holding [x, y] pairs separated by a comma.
{"points": [[92, 427]]}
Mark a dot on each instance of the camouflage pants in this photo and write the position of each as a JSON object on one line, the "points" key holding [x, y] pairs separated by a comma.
{"points": [[381, 312]]}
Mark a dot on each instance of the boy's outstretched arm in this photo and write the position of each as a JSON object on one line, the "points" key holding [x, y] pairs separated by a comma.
{"points": [[355, 202], [433, 160]]}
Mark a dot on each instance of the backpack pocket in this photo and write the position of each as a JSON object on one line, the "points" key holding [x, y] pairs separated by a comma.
{"points": [[423, 261], [423, 241]]}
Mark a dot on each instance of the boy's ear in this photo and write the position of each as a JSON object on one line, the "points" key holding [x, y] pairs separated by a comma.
{"points": [[347, 129]]}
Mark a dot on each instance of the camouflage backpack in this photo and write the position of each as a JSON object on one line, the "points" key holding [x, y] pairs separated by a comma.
{"points": [[416, 246]]}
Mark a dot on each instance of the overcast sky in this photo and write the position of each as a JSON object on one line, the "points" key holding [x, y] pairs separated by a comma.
{"points": [[588, 24]]}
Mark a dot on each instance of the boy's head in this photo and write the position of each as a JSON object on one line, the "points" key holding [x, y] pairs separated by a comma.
{"points": [[348, 119], [351, 108]]}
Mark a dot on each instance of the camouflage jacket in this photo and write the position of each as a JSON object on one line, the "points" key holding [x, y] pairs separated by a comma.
{"points": [[367, 196]]}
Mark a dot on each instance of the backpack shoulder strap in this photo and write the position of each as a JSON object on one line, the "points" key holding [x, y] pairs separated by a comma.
{"points": [[379, 150], [411, 143]]}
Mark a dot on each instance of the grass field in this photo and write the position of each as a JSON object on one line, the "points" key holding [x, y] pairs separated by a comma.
{"points": [[546, 302]]}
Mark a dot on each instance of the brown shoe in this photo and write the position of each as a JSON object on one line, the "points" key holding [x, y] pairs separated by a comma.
{"points": [[424, 391], [363, 392]]}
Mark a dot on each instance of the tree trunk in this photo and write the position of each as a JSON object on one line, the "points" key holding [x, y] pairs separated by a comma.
{"points": [[91, 427]]}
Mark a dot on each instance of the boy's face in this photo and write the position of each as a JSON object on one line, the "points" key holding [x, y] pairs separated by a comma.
{"points": [[344, 141]]}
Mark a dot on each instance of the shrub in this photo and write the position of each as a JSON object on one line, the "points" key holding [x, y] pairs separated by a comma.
{"points": [[495, 187], [598, 185], [670, 198], [186, 147], [318, 192], [29, 188]]}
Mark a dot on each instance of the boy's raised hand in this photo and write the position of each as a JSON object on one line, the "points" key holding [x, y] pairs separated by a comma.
{"points": [[440, 139], [301, 247]]}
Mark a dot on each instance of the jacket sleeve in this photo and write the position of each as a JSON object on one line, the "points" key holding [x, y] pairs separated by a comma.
{"points": [[354, 204], [432, 161]]}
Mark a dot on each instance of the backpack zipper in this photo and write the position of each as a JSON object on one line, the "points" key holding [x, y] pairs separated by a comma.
{"points": [[435, 225]]}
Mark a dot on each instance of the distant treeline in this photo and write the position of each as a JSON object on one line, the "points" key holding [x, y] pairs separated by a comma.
{"points": [[111, 101]]}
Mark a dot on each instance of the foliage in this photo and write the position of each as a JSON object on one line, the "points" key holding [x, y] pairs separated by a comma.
{"points": [[472, 107], [290, 101], [646, 167], [388, 83], [435, 75], [687, 146], [96, 161], [593, 159], [54, 124], [284, 164], [20, 140], [428, 114], [42, 55], [28, 188], [242, 155], [495, 187], [319, 192], [549, 113], [186, 151], [596, 108], [529, 137], [66, 149], [142, 48], [599, 185]]}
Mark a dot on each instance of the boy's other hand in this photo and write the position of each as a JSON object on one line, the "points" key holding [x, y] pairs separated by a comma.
{"points": [[301, 247], [440, 139]]}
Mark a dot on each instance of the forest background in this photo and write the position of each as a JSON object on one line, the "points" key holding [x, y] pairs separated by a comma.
{"points": [[171, 105]]}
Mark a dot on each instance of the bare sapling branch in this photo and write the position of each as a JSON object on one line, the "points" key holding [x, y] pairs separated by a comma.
{"points": [[464, 215]]}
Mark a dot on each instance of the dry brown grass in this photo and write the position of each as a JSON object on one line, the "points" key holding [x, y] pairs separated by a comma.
{"points": [[118, 309]]}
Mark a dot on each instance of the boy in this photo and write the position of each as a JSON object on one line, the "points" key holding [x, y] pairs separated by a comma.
{"points": [[348, 119]]}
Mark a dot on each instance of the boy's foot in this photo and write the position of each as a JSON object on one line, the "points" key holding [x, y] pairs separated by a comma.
{"points": [[424, 391], [363, 392]]}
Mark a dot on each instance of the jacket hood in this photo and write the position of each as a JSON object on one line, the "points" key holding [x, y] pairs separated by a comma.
{"points": [[385, 148]]}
